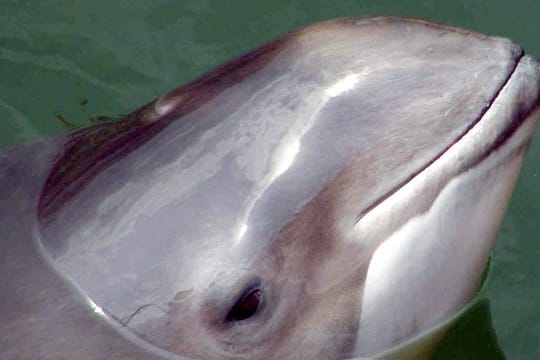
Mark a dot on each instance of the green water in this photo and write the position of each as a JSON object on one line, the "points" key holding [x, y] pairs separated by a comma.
{"points": [[83, 59]]}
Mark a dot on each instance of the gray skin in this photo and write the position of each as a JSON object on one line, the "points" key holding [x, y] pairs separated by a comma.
{"points": [[352, 173]]}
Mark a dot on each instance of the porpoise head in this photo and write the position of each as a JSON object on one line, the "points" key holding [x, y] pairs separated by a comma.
{"points": [[332, 194]]}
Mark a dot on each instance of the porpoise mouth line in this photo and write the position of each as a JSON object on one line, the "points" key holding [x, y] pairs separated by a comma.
{"points": [[478, 119]]}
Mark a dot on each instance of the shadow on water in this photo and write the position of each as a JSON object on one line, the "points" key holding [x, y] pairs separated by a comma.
{"points": [[475, 335]]}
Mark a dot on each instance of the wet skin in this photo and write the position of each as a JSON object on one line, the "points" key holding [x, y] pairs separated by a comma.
{"points": [[334, 193]]}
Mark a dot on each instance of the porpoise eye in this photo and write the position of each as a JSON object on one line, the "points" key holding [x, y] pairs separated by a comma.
{"points": [[246, 307]]}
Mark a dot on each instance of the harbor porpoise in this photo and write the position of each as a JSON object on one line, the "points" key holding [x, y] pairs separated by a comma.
{"points": [[333, 194]]}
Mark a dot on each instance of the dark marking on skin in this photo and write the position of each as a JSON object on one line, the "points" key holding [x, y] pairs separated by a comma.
{"points": [[136, 312]]}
